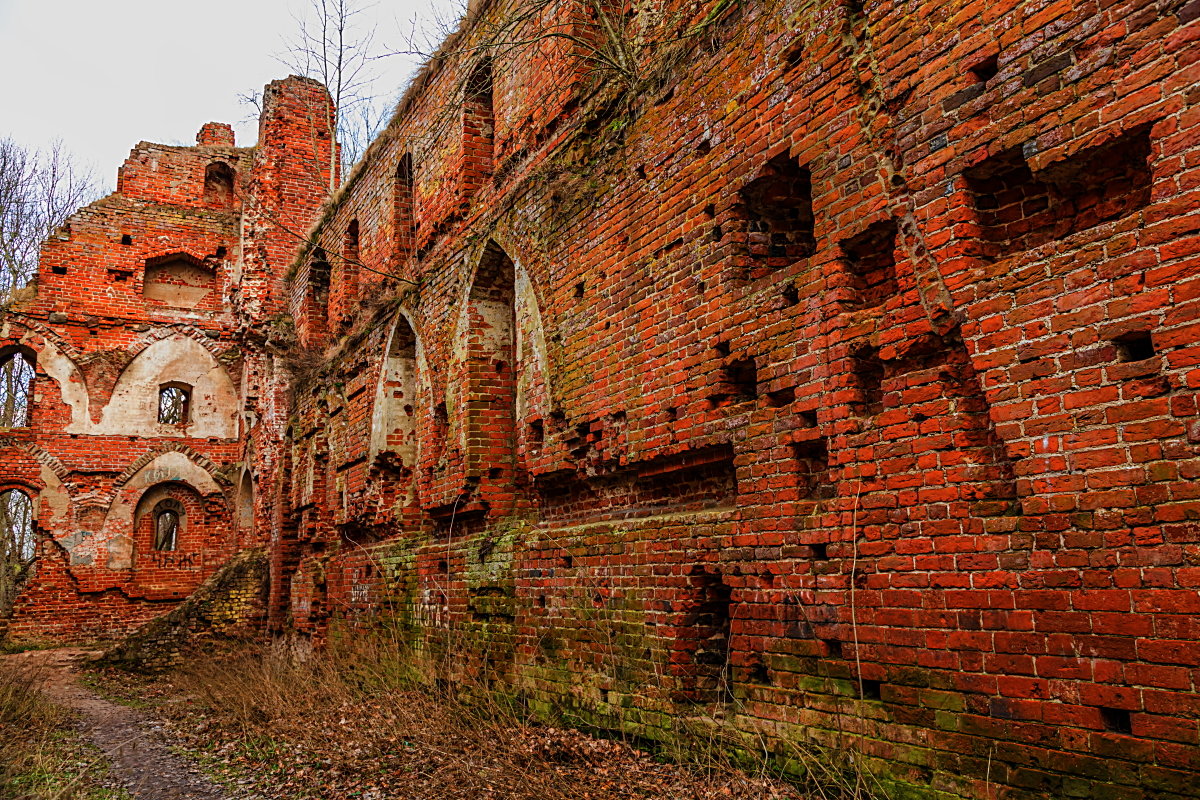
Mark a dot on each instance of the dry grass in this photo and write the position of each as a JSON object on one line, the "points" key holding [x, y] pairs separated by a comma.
{"points": [[42, 756], [364, 719]]}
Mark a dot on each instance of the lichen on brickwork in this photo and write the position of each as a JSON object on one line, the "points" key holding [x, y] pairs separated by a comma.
{"points": [[815, 379]]}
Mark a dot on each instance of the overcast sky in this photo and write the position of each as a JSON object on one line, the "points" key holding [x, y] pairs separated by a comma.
{"points": [[102, 75]]}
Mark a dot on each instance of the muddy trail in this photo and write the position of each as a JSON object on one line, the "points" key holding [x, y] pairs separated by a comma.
{"points": [[137, 748]]}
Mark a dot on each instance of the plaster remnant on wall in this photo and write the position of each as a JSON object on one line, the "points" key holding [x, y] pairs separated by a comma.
{"points": [[133, 410]]}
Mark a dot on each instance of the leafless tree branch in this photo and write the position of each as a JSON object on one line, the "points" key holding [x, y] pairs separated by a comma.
{"points": [[39, 189]]}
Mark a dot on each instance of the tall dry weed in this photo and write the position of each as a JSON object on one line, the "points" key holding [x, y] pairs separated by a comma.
{"points": [[382, 716]]}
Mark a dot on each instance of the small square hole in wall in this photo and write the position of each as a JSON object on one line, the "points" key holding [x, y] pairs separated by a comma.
{"points": [[1136, 346], [537, 434], [126, 239], [59, 270], [820, 551], [1117, 720], [871, 690], [741, 379], [870, 259], [833, 647], [781, 397], [793, 56], [758, 673], [985, 69], [579, 287], [790, 295], [868, 374], [811, 461]]}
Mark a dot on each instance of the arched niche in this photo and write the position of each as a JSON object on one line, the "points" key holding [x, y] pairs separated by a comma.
{"points": [[133, 407], [219, 180], [187, 506], [395, 413], [113, 547], [491, 362], [245, 503], [533, 379]]}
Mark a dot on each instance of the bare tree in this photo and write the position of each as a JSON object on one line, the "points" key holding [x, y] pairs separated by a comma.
{"points": [[335, 45], [39, 189]]}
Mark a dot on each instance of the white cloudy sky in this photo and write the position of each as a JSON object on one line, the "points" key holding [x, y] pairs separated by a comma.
{"points": [[102, 75]]}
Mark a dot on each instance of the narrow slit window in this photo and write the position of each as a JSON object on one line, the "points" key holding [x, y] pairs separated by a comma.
{"points": [[166, 526], [404, 208], [478, 129]]}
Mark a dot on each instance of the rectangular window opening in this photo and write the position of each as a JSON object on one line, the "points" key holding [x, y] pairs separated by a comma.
{"points": [[778, 213]]}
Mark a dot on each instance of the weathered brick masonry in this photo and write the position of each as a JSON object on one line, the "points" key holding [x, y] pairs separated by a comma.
{"points": [[825, 371], [829, 368], [172, 281]]}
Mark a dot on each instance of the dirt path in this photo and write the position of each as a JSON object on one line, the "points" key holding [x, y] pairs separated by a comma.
{"points": [[136, 746]]}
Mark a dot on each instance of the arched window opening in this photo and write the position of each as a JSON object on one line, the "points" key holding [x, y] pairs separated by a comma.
{"points": [[17, 545], [479, 126], [405, 209], [174, 404], [16, 389], [16, 527], [218, 184], [168, 523]]}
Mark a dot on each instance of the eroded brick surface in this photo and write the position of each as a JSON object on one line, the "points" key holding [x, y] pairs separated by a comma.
{"points": [[832, 373]]}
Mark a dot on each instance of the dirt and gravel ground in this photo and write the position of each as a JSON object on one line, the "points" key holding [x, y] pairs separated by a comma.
{"points": [[138, 749]]}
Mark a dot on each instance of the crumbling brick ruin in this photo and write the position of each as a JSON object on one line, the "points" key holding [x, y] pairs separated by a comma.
{"points": [[141, 375], [824, 370]]}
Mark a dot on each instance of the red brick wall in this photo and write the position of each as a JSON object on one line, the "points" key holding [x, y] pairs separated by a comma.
{"points": [[853, 376], [94, 454]]}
